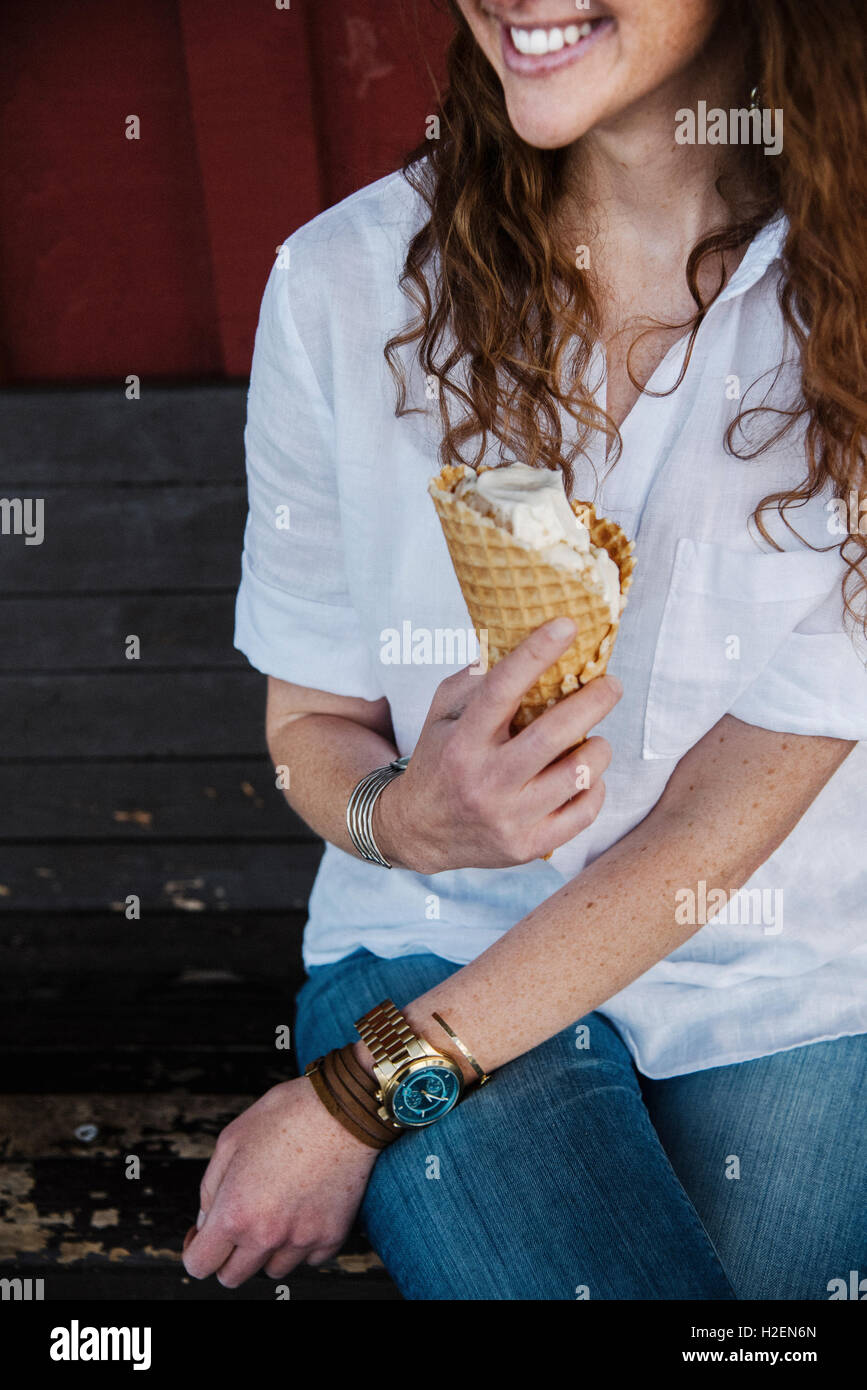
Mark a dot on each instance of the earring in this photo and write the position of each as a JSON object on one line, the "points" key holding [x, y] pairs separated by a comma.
{"points": [[754, 98]]}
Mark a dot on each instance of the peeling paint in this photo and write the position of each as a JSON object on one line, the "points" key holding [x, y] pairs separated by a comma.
{"points": [[19, 1219], [359, 1264], [72, 1251], [156, 1125], [108, 1216], [72, 1237], [20, 1222], [17, 1179], [178, 893], [24, 1229]]}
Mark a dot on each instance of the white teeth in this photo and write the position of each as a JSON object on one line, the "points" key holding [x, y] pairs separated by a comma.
{"points": [[538, 42]]}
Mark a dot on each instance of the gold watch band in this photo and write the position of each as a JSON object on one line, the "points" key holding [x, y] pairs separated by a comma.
{"points": [[390, 1040]]}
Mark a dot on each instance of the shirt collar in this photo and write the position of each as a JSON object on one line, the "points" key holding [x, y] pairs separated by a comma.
{"points": [[765, 247]]}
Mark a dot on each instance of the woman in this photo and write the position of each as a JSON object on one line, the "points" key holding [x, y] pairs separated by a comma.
{"points": [[578, 275]]}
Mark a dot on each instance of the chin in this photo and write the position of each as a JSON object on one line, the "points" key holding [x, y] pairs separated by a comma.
{"points": [[545, 127]]}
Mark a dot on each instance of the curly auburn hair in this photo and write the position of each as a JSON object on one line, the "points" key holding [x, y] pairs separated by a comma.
{"points": [[505, 300]]}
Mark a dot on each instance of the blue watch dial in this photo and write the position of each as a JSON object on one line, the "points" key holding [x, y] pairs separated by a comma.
{"points": [[425, 1095]]}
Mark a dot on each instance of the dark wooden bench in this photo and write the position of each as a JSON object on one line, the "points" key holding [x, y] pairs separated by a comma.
{"points": [[145, 777]]}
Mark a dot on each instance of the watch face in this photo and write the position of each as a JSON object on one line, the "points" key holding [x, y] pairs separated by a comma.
{"points": [[425, 1095]]}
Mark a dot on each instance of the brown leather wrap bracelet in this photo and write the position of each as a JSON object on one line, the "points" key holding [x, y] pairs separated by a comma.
{"points": [[349, 1094]]}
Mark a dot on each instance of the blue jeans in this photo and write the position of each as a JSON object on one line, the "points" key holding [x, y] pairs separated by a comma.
{"points": [[570, 1175]]}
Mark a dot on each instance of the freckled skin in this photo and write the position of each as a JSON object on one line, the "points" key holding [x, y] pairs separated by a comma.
{"points": [[695, 825]]}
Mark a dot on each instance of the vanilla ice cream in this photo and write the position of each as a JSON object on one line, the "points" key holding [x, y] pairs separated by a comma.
{"points": [[531, 504]]}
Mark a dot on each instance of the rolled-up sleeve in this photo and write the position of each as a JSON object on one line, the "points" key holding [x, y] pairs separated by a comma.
{"points": [[816, 682], [294, 617]]}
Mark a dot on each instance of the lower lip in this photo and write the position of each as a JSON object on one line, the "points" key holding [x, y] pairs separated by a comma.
{"points": [[539, 65]]}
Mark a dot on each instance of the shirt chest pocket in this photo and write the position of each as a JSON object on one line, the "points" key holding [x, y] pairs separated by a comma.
{"points": [[726, 614]]}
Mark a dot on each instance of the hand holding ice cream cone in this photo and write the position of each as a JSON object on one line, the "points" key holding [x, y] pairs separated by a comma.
{"points": [[524, 555], [473, 796], [493, 780]]}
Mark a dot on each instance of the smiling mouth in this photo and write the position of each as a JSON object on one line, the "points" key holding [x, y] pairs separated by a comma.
{"points": [[533, 50]]}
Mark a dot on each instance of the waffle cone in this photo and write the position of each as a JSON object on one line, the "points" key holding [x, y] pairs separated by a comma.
{"points": [[510, 591]]}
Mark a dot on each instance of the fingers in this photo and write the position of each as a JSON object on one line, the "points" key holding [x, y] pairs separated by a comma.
{"points": [[571, 775], [572, 819], [562, 726], [281, 1262], [213, 1176], [325, 1252], [242, 1265], [208, 1251], [501, 688]]}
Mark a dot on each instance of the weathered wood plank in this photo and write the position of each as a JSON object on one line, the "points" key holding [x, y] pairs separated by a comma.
{"points": [[159, 1066], [83, 1215], [210, 1030], [62, 1211], [187, 878], [130, 538], [207, 1012], [133, 714], [203, 1030], [233, 800], [210, 1048], [172, 434], [110, 1126], [49, 633], [245, 943]]}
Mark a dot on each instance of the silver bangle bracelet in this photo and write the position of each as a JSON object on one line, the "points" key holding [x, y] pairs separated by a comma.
{"points": [[359, 812]]}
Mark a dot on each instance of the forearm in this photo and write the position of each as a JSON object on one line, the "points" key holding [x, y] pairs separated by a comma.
{"points": [[605, 928], [326, 756], [593, 937]]}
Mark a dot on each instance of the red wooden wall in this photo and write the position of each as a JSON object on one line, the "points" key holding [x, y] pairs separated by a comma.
{"points": [[149, 256]]}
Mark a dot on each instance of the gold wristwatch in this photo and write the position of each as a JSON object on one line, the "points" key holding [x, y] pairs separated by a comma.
{"points": [[417, 1084]]}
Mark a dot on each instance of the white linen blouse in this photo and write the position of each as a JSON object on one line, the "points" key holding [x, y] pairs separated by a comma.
{"points": [[347, 586]]}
